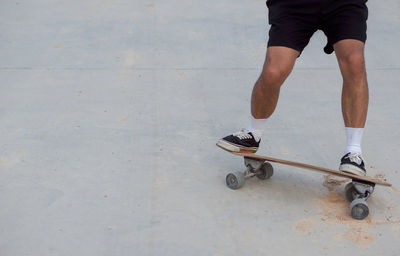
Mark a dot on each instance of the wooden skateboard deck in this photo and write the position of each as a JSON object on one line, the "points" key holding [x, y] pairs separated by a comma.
{"points": [[357, 191], [312, 167]]}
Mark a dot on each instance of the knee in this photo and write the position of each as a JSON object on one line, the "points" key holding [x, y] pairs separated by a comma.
{"points": [[354, 67], [354, 60], [273, 76]]}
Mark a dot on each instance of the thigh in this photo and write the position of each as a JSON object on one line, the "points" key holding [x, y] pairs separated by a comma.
{"points": [[350, 55], [349, 47], [280, 60]]}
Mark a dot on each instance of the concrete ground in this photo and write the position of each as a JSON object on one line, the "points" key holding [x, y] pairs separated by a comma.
{"points": [[110, 111]]}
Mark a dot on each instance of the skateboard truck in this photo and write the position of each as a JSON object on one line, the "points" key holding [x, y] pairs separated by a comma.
{"points": [[357, 192], [252, 164], [259, 168]]}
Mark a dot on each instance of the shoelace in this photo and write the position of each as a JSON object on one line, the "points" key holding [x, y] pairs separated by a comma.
{"points": [[243, 135], [355, 157]]}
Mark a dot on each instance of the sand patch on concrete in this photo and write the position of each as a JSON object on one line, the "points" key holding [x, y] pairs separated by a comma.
{"points": [[358, 236], [334, 209], [396, 228], [179, 73], [122, 119], [304, 225], [330, 182], [7, 161]]}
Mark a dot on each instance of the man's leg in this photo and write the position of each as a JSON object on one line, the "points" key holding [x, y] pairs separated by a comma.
{"points": [[278, 64], [292, 25], [350, 55]]}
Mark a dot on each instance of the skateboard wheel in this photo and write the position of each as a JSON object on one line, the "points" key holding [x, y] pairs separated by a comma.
{"points": [[235, 180], [351, 192], [359, 209], [265, 171]]}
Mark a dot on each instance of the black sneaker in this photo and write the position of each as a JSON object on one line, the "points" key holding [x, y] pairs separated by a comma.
{"points": [[243, 141], [353, 163]]}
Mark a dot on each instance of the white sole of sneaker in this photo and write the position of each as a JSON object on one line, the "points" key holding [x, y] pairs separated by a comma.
{"points": [[349, 168], [234, 148]]}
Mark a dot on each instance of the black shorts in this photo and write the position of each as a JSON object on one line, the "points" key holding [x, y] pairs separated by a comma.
{"points": [[293, 22]]}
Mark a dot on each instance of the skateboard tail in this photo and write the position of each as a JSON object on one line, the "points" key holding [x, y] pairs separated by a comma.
{"points": [[228, 147], [231, 148]]}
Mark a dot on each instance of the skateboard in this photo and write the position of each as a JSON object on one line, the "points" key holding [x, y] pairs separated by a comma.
{"points": [[357, 191]]}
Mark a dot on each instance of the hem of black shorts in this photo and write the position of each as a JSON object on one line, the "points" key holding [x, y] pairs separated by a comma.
{"points": [[348, 37], [285, 45]]}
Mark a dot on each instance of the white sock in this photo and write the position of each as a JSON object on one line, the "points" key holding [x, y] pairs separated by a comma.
{"points": [[354, 137], [256, 127]]}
